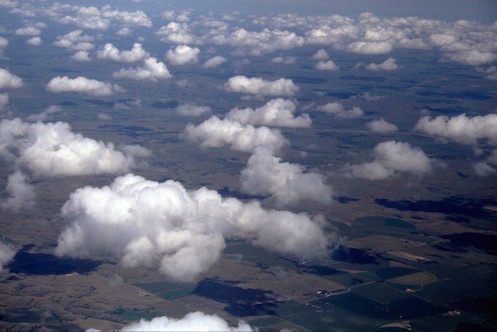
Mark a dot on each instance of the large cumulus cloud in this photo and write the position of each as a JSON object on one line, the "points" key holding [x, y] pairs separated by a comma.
{"points": [[148, 223], [275, 113], [52, 149], [9, 80], [110, 52], [152, 70], [287, 184], [261, 87], [82, 84], [392, 158], [215, 133]]}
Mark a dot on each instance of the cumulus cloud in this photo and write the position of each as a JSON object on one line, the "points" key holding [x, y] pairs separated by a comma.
{"points": [[21, 193], [388, 64], [461, 128], [192, 322], [182, 55], [4, 101], [8, 80], [321, 55], [7, 252], [215, 133], [339, 111], [28, 31], [391, 158], [288, 60], [192, 110], [81, 56], [214, 62], [148, 223], [52, 149], [75, 41], [261, 87], [483, 169], [110, 52], [3, 43], [178, 33], [287, 184], [364, 47], [326, 65], [275, 113], [82, 84], [45, 114], [35, 41], [152, 70], [382, 126]]}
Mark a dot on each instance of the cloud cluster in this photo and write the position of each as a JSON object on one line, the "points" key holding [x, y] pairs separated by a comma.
{"points": [[261, 87], [6, 254], [461, 128], [75, 41], [192, 322], [391, 158], [382, 126], [111, 52], [152, 70], [21, 193], [52, 149], [182, 55], [388, 64], [339, 111], [192, 110], [178, 33], [287, 184], [82, 84], [275, 113], [215, 133], [8, 80], [148, 223], [96, 18]]}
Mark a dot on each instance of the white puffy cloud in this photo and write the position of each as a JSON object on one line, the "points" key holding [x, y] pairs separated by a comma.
{"points": [[275, 113], [21, 193], [147, 223], [3, 43], [182, 55], [81, 56], [288, 60], [52, 149], [45, 114], [339, 111], [321, 55], [35, 41], [483, 169], [215, 133], [382, 126], [28, 31], [178, 33], [363, 47], [192, 110], [192, 322], [8, 80], [259, 86], [390, 158], [326, 65], [6, 254], [287, 184], [111, 52], [388, 64], [4, 101], [82, 84], [461, 128], [75, 41], [214, 62], [152, 70]]}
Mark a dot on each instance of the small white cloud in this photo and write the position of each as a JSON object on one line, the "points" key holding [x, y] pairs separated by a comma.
{"points": [[35, 41], [339, 111], [75, 41], [152, 70], [7, 252], [28, 31], [82, 85], [4, 101], [3, 42], [388, 64], [214, 62], [288, 60], [391, 158], [195, 321], [366, 47], [320, 55], [259, 86], [8, 80], [482, 169], [45, 114], [110, 52], [326, 65], [215, 133], [192, 110], [177, 33], [81, 56], [382, 126], [287, 184], [182, 55], [21, 193], [275, 113]]}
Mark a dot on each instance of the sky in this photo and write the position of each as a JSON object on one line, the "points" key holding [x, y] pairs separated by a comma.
{"points": [[276, 86]]}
